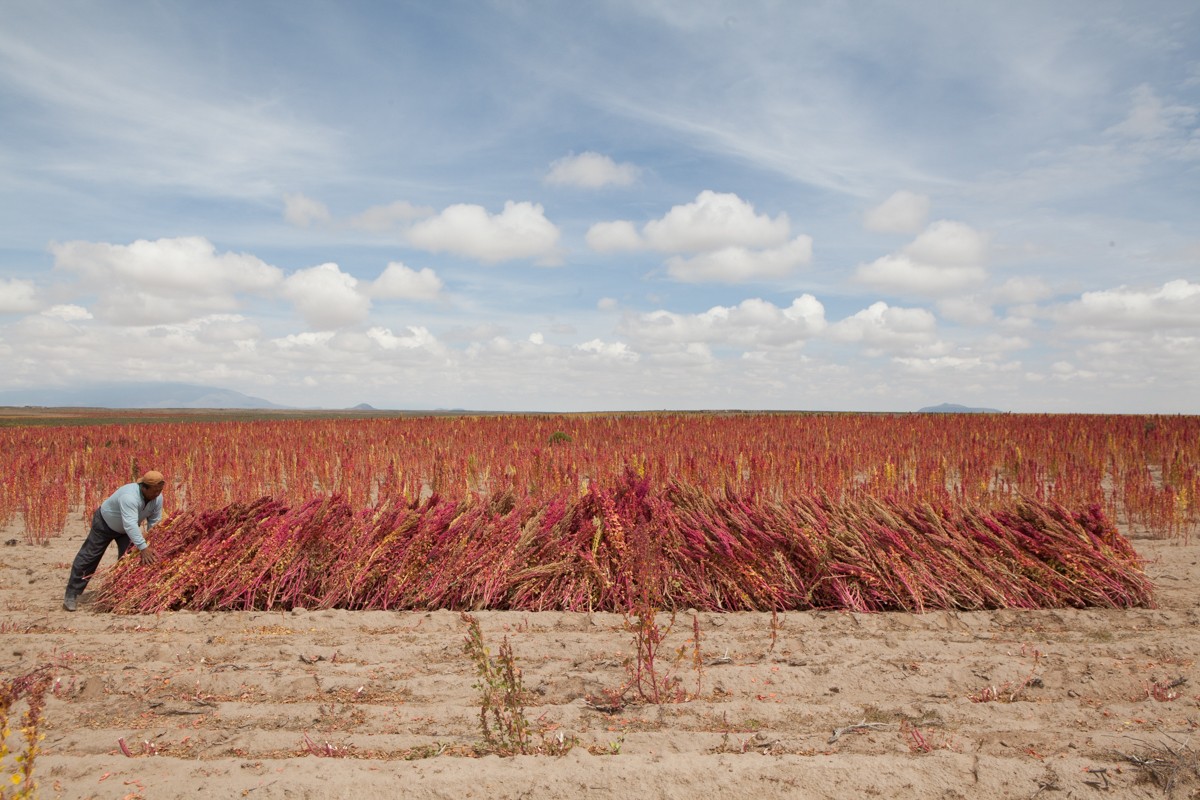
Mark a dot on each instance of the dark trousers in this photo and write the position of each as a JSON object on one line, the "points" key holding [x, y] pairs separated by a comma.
{"points": [[87, 561]]}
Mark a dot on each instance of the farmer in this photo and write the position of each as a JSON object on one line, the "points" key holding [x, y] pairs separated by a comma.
{"points": [[118, 518]]}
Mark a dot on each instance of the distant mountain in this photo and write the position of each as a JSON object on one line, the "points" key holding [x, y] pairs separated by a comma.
{"points": [[135, 395], [954, 408], [363, 407]]}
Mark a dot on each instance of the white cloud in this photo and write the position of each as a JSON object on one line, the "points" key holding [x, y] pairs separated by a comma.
{"points": [[304, 212], [994, 343], [966, 310], [883, 328], [738, 264], [303, 341], [948, 243], [326, 297], [607, 304], [390, 217], [752, 324], [1066, 372], [717, 237], [712, 221], [614, 237], [1114, 312], [902, 275], [417, 338], [225, 329], [945, 259], [941, 364], [1022, 290], [68, 312], [189, 263], [590, 171], [615, 351], [17, 296], [399, 282], [521, 230], [903, 212], [167, 280]]}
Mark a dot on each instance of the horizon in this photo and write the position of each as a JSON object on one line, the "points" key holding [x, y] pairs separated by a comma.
{"points": [[627, 206]]}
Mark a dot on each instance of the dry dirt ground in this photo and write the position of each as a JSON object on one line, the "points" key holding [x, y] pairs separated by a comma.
{"points": [[337, 704]]}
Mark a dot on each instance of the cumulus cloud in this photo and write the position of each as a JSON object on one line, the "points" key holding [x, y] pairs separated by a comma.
{"points": [[190, 263], [941, 364], [614, 237], [753, 324], [948, 243], [902, 275], [712, 221], [945, 259], [615, 351], [883, 328], [17, 296], [966, 310], [995, 343], [1067, 372], [416, 338], [521, 230], [903, 212], [1175, 305], [1022, 290], [737, 264], [390, 217], [304, 212], [167, 280], [326, 297], [399, 282], [226, 329], [590, 170], [717, 237], [68, 312], [303, 340]]}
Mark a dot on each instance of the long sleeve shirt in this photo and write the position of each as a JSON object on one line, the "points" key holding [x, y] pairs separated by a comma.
{"points": [[125, 511]]}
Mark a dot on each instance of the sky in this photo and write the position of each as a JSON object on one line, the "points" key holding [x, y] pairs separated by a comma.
{"points": [[606, 206]]}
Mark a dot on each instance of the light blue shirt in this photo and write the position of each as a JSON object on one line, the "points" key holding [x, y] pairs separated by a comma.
{"points": [[125, 510]]}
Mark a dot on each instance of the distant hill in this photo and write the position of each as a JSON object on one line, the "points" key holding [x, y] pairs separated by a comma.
{"points": [[135, 395], [363, 407], [954, 408]]}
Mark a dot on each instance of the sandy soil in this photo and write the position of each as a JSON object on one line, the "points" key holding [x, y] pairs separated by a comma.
{"points": [[334, 704]]}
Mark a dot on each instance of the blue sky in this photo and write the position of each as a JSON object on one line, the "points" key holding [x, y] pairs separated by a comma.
{"points": [[511, 205]]}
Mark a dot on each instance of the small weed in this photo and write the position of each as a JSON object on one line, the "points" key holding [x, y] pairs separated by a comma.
{"points": [[654, 682], [1165, 691], [649, 679], [333, 717], [612, 748], [505, 728], [919, 741], [324, 749], [145, 748], [1009, 691], [776, 625]]}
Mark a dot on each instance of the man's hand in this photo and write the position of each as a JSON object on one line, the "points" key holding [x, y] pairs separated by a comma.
{"points": [[148, 555]]}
